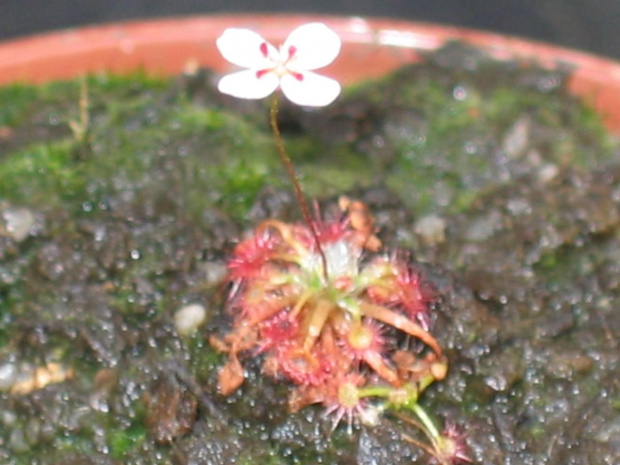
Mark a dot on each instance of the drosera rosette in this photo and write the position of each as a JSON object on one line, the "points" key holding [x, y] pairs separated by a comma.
{"points": [[340, 342], [309, 327], [343, 322]]}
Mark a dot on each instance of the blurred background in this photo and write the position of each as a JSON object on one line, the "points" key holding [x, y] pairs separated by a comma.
{"points": [[590, 25]]}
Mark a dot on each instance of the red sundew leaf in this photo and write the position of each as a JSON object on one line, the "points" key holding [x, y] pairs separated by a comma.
{"points": [[451, 445], [364, 336], [365, 343], [230, 376], [327, 233], [304, 396], [279, 329], [302, 367], [257, 305], [361, 222], [251, 254], [303, 235], [342, 400], [376, 361], [409, 291], [333, 231], [401, 322], [402, 289], [218, 344]]}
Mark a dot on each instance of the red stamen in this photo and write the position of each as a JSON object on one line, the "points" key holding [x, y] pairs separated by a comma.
{"points": [[298, 76], [263, 49], [292, 50], [261, 72]]}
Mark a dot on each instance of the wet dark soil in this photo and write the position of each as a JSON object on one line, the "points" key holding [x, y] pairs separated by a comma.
{"points": [[504, 189]]}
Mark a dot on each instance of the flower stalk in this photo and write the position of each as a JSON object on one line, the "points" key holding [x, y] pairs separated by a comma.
{"points": [[305, 211]]}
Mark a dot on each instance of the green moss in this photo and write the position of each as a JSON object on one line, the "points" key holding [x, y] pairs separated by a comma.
{"points": [[15, 100], [264, 457], [566, 264], [445, 161], [125, 440], [5, 319], [241, 180], [50, 171], [41, 175], [336, 170], [204, 359], [226, 159], [226, 162]]}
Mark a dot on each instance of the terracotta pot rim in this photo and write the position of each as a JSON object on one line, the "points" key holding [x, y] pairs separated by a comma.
{"points": [[165, 46], [131, 25]]}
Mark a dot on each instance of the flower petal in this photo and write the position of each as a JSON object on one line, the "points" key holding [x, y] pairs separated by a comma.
{"points": [[248, 84], [310, 89], [246, 48], [314, 46]]}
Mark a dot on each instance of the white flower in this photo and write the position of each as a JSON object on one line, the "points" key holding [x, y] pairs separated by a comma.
{"points": [[309, 47]]}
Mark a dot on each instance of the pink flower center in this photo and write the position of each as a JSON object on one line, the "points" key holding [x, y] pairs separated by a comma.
{"points": [[279, 67], [292, 50]]}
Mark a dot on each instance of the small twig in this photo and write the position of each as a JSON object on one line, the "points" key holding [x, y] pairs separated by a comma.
{"points": [[81, 125]]}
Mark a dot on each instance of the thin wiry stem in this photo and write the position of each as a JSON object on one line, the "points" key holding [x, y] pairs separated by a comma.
{"points": [[427, 422], [426, 448], [305, 211], [418, 425], [429, 433]]}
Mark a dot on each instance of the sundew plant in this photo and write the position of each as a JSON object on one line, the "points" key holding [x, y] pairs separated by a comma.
{"points": [[334, 315]]}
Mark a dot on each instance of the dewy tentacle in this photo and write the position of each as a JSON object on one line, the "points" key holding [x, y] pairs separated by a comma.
{"points": [[286, 234], [401, 322]]}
